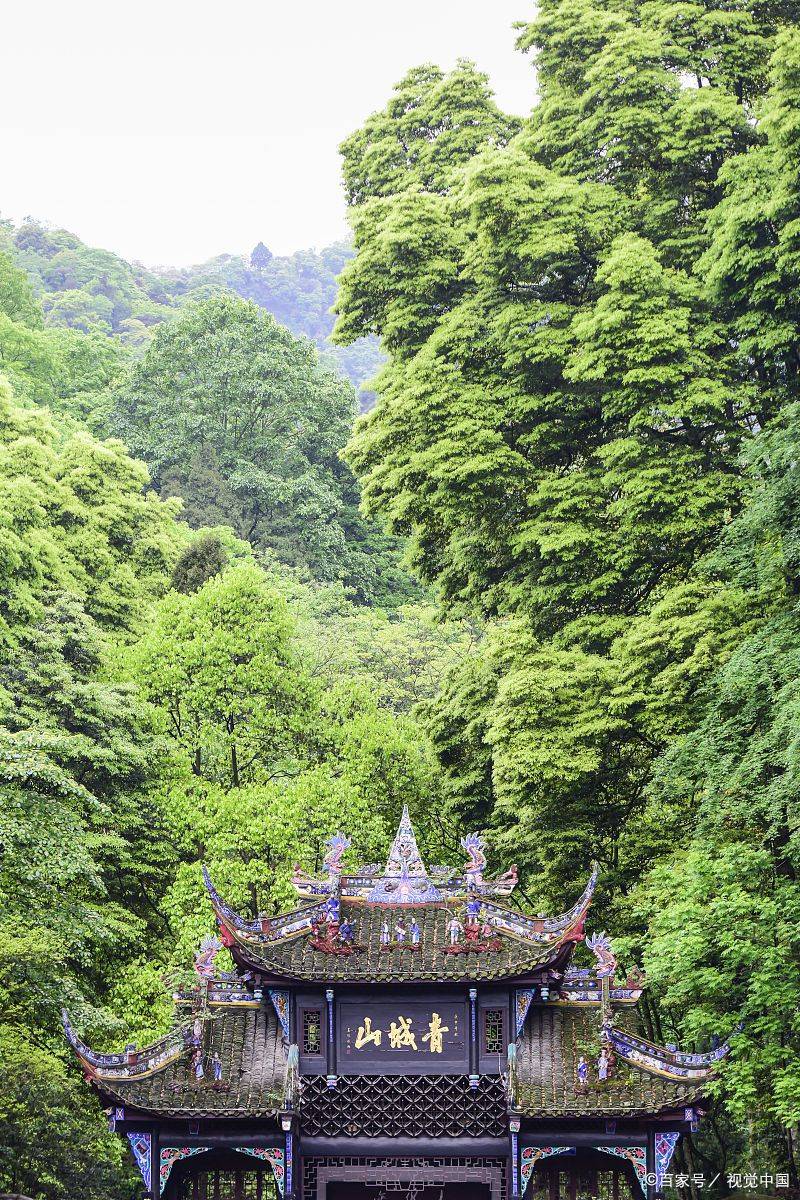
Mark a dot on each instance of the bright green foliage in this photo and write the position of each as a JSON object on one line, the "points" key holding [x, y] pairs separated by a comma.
{"points": [[580, 453], [83, 552], [74, 515], [145, 729], [401, 657], [614, 107], [587, 428], [261, 741], [410, 275], [725, 910], [27, 360], [17, 301], [123, 767], [51, 1142], [60, 368], [242, 421], [752, 262], [219, 667], [298, 289], [433, 123]]}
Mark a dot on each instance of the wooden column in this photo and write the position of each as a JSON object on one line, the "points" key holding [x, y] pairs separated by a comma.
{"points": [[290, 1165], [651, 1163], [474, 1076], [155, 1165], [515, 1179], [330, 1037]]}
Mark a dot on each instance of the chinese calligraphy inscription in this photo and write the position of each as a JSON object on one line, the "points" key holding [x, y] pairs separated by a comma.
{"points": [[388, 1034]]}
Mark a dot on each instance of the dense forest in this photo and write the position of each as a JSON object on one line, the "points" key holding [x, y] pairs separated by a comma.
{"points": [[584, 448], [95, 291]]}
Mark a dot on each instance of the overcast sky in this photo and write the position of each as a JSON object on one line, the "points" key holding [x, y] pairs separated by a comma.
{"points": [[169, 131]]}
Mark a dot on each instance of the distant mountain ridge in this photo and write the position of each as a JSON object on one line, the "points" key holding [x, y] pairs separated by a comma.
{"points": [[82, 287]]}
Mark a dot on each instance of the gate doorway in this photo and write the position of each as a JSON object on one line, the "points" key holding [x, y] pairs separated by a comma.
{"points": [[227, 1185], [445, 1178], [558, 1181]]}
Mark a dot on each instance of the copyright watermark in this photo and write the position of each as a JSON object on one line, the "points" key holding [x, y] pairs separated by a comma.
{"points": [[746, 1182]]}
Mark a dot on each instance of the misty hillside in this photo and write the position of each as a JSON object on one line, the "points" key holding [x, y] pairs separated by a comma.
{"points": [[81, 287]]}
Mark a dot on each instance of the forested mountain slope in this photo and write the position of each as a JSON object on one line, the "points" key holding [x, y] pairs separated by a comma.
{"points": [[84, 288]]}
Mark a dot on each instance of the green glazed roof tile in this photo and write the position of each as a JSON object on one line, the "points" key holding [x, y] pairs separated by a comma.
{"points": [[547, 1071]]}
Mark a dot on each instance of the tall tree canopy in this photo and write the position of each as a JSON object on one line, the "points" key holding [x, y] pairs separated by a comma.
{"points": [[241, 420], [586, 429]]}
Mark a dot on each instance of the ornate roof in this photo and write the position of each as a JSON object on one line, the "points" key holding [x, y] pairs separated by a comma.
{"points": [[254, 1069], [251, 1050], [405, 878], [298, 956], [404, 923], [553, 1040]]}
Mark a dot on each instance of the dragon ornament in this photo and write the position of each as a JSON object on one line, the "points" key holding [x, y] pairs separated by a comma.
{"points": [[600, 946]]}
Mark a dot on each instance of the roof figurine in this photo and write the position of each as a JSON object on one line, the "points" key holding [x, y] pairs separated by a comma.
{"points": [[306, 885], [600, 946], [473, 844], [206, 956]]}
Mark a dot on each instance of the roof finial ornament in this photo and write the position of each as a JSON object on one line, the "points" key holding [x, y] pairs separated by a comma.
{"points": [[404, 856], [205, 957], [473, 844], [338, 843], [600, 946], [405, 878]]}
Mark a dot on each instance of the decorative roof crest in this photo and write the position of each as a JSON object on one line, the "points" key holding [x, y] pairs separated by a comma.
{"points": [[205, 957], [338, 844], [405, 879], [404, 857], [473, 844]]}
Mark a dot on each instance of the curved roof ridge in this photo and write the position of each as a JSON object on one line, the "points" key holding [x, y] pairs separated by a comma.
{"points": [[257, 1070], [507, 920], [130, 1064], [669, 1062]]}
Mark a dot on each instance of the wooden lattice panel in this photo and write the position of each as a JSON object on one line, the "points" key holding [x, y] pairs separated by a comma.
{"points": [[403, 1106]]}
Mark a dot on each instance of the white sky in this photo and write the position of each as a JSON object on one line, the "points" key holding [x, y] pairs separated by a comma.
{"points": [[170, 131]]}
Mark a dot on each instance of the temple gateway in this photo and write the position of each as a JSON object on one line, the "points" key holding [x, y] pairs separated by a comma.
{"points": [[404, 1033]]}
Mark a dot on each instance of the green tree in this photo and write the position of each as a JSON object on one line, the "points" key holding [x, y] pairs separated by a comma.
{"points": [[260, 745], [586, 428], [241, 420], [83, 552], [724, 907], [433, 123], [260, 257], [220, 666], [17, 301], [204, 557]]}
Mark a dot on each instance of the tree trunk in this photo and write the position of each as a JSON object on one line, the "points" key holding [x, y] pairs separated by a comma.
{"points": [[234, 766]]}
